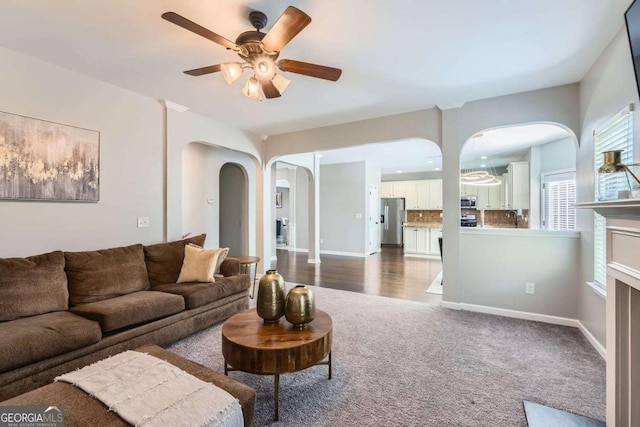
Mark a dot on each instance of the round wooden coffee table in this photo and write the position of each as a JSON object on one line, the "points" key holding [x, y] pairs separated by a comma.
{"points": [[251, 346]]}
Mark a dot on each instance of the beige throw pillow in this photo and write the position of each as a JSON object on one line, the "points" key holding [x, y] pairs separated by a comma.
{"points": [[198, 265]]}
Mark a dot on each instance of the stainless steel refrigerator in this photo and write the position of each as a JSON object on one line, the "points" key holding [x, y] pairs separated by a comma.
{"points": [[391, 219]]}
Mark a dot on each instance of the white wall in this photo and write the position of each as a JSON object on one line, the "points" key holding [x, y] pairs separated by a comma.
{"points": [[558, 155], [554, 105], [343, 194], [607, 88], [131, 142], [200, 181], [496, 264]]}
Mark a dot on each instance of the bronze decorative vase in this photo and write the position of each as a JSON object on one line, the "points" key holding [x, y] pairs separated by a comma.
{"points": [[300, 306], [271, 297]]}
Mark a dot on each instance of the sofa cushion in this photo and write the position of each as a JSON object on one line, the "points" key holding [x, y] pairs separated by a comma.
{"points": [[131, 309], [199, 264], [230, 267], [198, 294], [39, 337], [164, 260], [33, 285], [107, 273]]}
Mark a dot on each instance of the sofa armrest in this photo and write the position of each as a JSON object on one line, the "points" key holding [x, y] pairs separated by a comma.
{"points": [[230, 267]]}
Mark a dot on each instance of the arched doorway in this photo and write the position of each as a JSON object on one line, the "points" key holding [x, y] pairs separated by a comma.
{"points": [[233, 221]]}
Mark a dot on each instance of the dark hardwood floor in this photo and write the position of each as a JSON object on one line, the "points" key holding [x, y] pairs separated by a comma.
{"points": [[387, 273]]}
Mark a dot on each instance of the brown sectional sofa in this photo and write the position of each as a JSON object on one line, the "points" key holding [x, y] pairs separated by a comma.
{"points": [[64, 310]]}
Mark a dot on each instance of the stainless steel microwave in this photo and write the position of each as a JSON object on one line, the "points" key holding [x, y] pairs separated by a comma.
{"points": [[468, 202]]}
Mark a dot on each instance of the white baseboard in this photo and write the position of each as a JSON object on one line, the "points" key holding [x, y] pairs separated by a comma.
{"points": [[593, 341], [428, 256], [274, 258], [353, 254], [292, 249], [313, 261], [525, 315]]}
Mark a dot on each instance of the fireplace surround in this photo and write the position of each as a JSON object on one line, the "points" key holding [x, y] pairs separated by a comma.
{"points": [[623, 309]]}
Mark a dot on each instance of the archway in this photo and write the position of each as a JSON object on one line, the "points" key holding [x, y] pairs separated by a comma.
{"points": [[504, 171]]}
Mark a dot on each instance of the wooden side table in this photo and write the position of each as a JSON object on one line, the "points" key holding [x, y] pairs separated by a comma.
{"points": [[250, 345], [246, 262]]}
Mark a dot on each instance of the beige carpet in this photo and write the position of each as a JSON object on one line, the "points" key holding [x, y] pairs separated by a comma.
{"points": [[403, 363]]}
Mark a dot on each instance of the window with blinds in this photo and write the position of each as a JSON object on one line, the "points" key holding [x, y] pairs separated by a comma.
{"points": [[600, 250], [616, 134], [559, 201]]}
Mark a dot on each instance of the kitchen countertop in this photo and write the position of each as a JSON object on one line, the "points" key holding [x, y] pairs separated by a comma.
{"points": [[422, 225], [525, 232]]}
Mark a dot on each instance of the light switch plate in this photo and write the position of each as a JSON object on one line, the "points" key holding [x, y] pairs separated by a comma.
{"points": [[143, 221], [530, 288]]}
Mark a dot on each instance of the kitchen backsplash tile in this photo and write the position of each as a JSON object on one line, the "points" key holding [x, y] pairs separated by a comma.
{"points": [[496, 219], [499, 219], [431, 217]]}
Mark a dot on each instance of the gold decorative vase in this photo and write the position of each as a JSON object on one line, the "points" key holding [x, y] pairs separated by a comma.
{"points": [[271, 297], [300, 307]]}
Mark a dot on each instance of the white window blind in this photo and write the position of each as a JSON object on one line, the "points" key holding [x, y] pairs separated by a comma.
{"points": [[559, 201], [600, 250], [615, 134]]}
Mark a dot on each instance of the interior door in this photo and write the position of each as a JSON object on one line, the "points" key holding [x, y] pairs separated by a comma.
{"points": [[374, 219], [232, 209]]}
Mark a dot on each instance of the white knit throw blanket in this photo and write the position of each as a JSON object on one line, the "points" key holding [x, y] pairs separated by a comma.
{"points": [[147, 391]]}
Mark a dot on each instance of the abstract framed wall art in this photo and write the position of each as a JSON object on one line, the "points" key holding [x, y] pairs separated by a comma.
{"points": [[42, 160]]}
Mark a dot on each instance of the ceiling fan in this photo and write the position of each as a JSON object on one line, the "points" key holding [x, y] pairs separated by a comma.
{"points": [[259, 53]]}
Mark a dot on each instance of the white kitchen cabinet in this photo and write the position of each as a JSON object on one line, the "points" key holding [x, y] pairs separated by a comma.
{"points": [[468, 190], [409, 240], [518, 186], [386, 189], [423, 194], [393, 189], [435, 194], [490, 196], [421, 240], [411, 195]]}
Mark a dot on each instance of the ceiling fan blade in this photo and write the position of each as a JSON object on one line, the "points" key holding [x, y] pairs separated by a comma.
{"points": [[269, 89], [204, 70], [311, 70], [290, 23], [198, 29]]}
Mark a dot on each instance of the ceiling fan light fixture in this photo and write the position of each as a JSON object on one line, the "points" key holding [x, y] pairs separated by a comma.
{"points": [[251, 89], [281, 83], [231, 71], [264, 68]]}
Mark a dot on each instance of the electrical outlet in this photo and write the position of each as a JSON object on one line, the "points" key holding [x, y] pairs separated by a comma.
{"points": [[321, 241], [143, 221], [420, 214], [530, 288], [358, 216]]}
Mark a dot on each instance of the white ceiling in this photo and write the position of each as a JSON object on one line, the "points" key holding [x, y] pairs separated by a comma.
{"points": [[396, 56], [411, 155]]}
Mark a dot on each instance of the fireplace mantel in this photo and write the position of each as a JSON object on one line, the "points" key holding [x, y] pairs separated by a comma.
{"points": [[623, 208]]}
